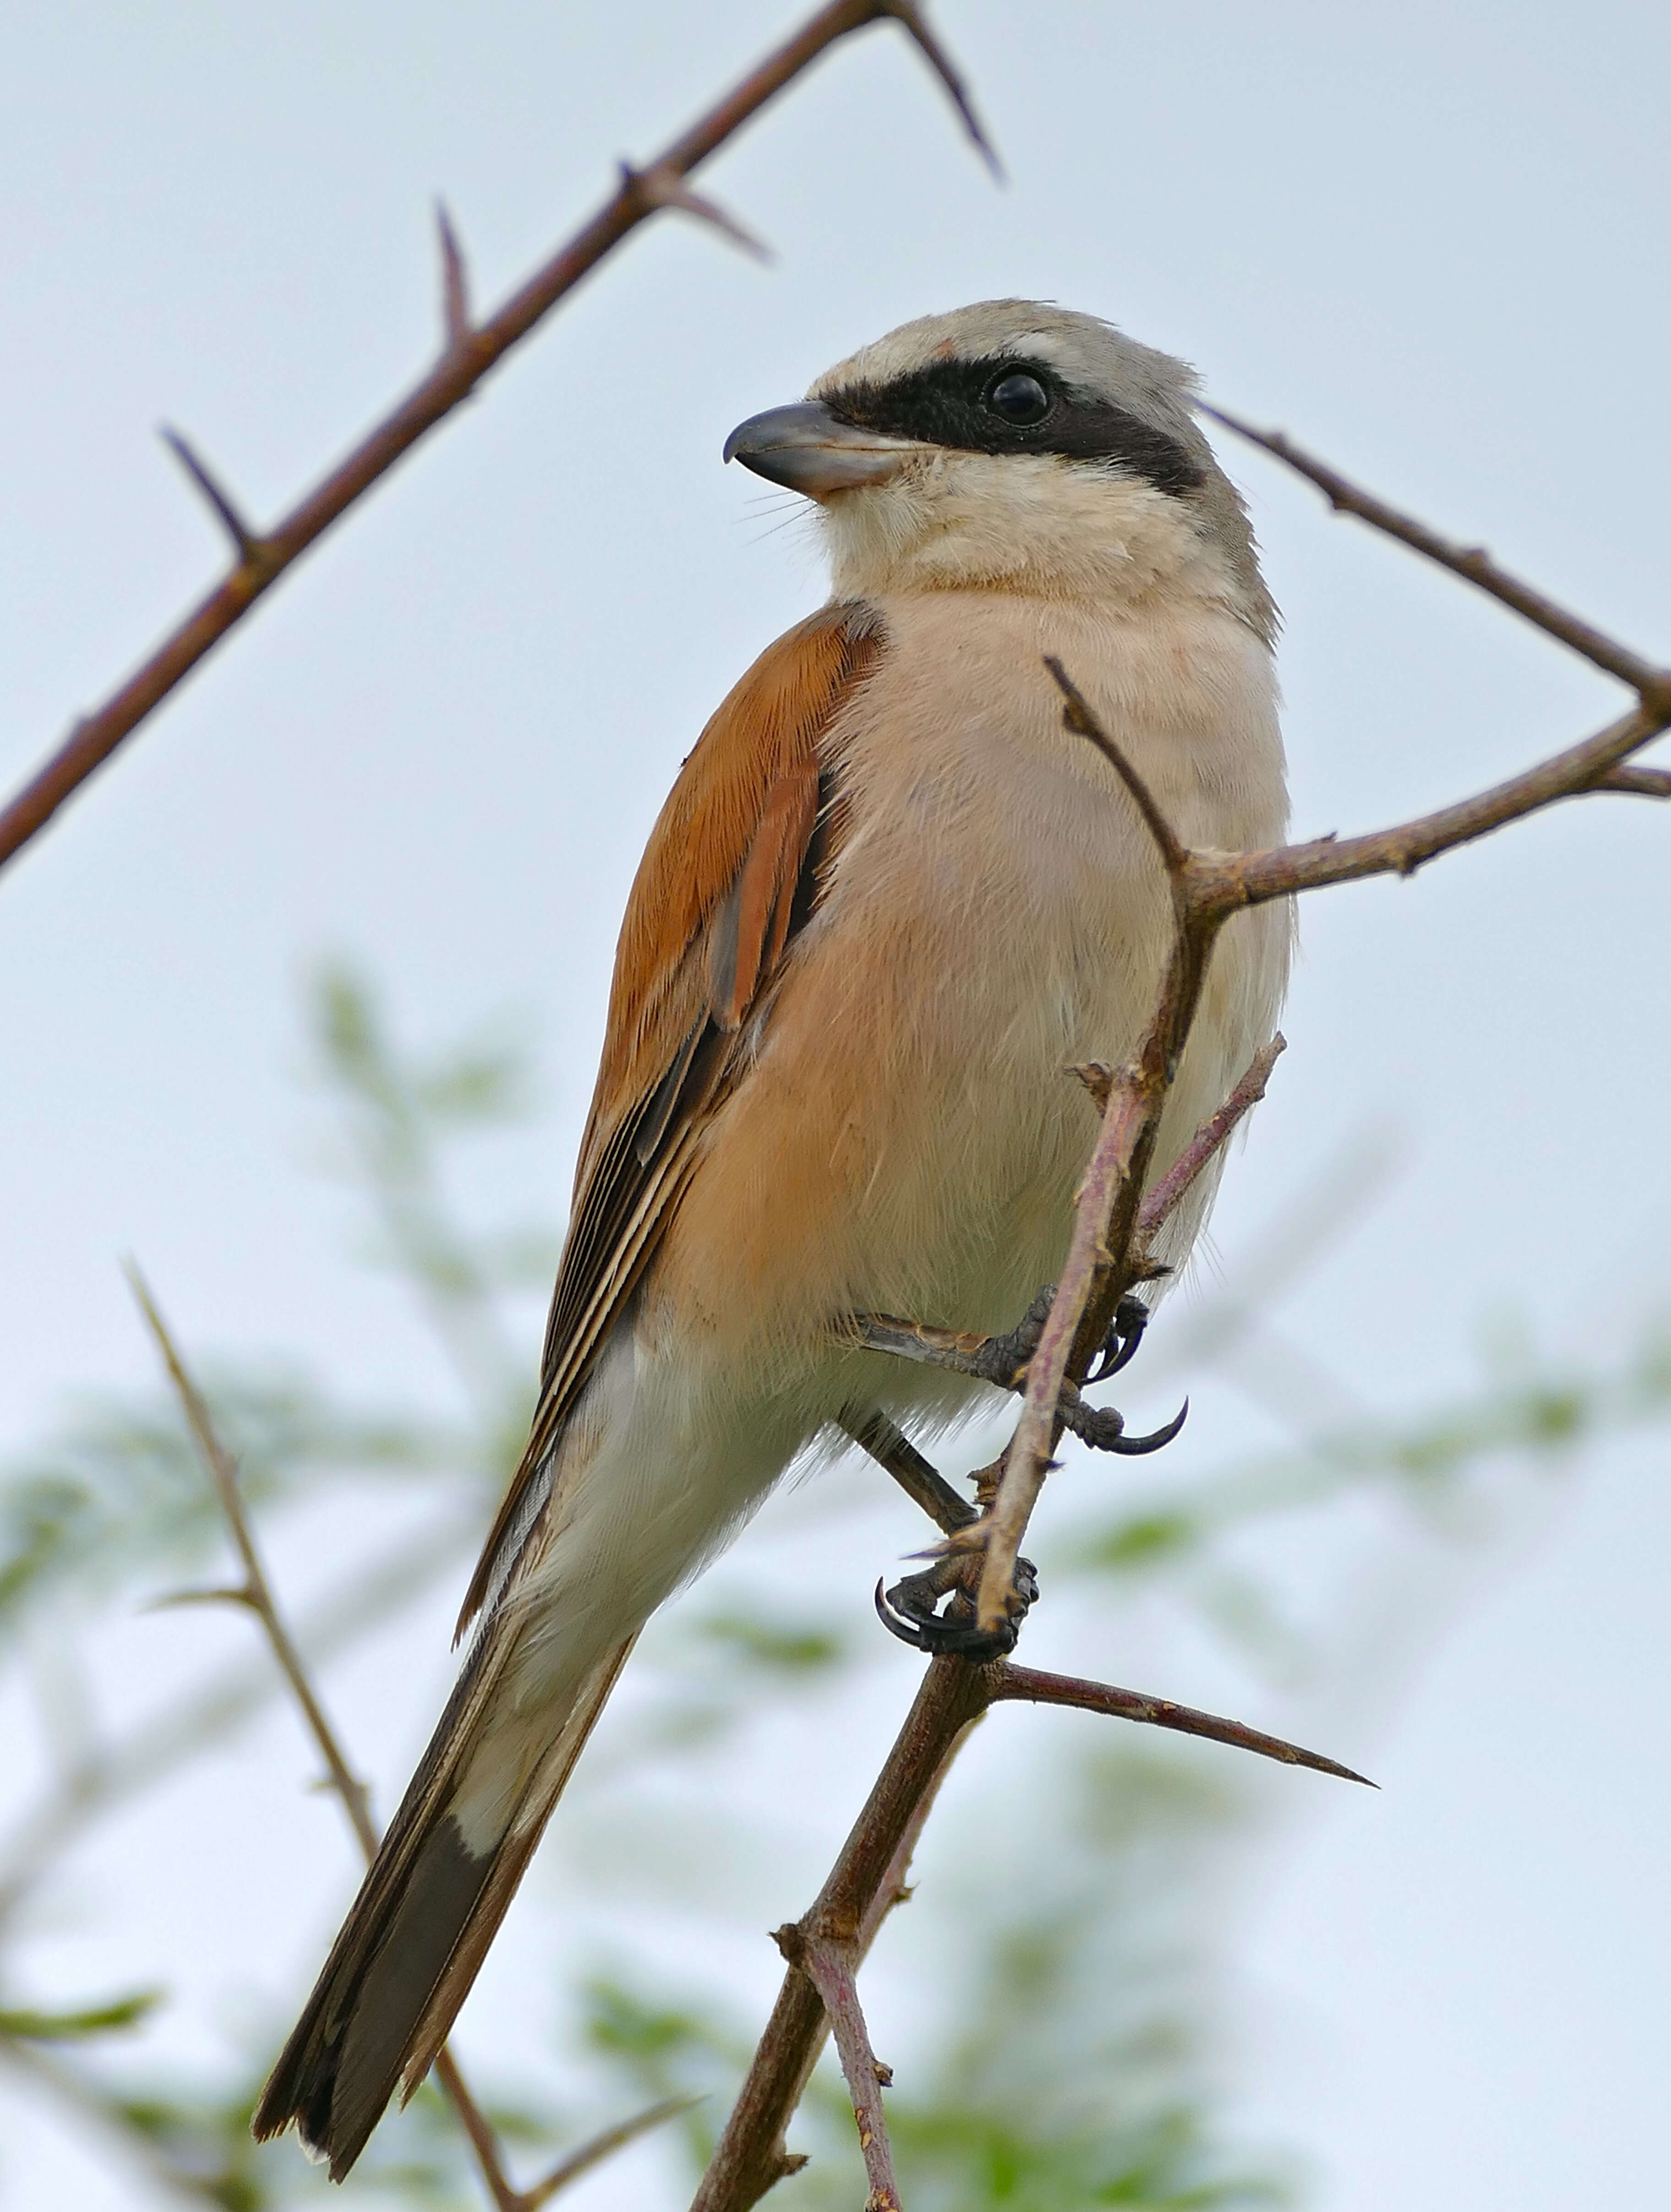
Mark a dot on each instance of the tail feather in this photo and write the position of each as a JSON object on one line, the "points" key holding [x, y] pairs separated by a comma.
{"points": [[418, 1931]]}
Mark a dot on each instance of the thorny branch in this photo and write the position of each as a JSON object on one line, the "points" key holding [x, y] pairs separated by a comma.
{"points": [[831, 1967], [255, 1593], [468, 353], [751, 2156], [1472, 563], [820, 1988]]}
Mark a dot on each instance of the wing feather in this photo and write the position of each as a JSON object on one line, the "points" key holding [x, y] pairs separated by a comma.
{"points": [[726, 878]]}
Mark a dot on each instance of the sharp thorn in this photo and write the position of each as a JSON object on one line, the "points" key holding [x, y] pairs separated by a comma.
{"points": [[662, 187], [909, 15], [455, 281], [171, 1600], [1097, 1077], [246, 539]]}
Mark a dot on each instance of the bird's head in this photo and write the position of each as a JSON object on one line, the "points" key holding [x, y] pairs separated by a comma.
{"points": [[1016, 446]]}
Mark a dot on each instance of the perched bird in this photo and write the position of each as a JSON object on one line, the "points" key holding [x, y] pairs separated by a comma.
{"points": [[889, 900]]}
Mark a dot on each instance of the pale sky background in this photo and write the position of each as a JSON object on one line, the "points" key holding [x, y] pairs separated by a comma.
{"points": [[1431, 242]]}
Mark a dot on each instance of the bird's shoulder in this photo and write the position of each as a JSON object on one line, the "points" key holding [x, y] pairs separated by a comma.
{"points": [[736, 812]]}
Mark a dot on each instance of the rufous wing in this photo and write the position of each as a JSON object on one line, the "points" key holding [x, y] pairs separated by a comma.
{"points": [[730, 873]]}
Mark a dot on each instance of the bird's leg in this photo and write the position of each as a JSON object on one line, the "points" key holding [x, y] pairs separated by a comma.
{"points": [[908, 1610], [911, 1609], [890, 1448], [1003, 1361]]}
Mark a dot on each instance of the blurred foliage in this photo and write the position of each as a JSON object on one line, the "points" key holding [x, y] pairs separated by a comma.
{"points": [[1079, 2053]]}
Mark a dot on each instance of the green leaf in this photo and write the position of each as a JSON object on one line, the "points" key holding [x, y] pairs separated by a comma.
{"points": [[27, 2024]]}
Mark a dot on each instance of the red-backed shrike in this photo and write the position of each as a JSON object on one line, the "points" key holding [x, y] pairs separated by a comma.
{"points": [[890, 899]]}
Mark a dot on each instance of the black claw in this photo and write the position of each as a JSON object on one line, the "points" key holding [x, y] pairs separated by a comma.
{"points": [[1135, 1447], [907, 1629], [907, 1611], [1131, 1318]]}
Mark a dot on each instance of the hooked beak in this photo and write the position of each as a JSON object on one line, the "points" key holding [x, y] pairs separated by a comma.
{"points": [[809, 450]]}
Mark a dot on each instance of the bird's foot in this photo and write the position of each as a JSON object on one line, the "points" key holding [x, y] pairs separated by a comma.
{"points": [[1005, 1360], [910, 1609]]}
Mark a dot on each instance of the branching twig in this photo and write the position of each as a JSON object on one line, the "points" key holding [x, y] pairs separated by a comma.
{"points": [[1227, 881], [1645, 782], [1102, 1250], [599, 2147], [1026, 1686], [1163, 1202], [750, 2157], [830, 1966], [255, 1593], [1472, 563], [159, 1745], [468, 353]]}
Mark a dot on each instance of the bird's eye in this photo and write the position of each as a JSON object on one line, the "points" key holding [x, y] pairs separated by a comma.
{"points": [[1022, 400]]}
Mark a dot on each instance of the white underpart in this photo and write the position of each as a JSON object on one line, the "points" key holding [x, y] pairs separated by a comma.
{"points": [[658, 1467]]}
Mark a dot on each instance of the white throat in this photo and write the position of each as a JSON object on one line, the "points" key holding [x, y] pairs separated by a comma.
{"points": [[1034, 525]]}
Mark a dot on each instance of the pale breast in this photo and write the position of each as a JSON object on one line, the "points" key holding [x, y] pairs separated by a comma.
{"points": [[908, 1139]]}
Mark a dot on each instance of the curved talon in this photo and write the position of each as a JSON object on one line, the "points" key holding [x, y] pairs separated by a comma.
{"points": [[1135, 1447], [1131, 1318], [897, 1623], [954, 1633]]}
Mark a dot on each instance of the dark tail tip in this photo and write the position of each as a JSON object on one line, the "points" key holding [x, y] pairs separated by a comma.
{"points": [[339, 2068]]}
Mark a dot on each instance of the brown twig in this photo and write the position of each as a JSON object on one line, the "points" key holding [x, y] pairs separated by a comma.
{"points": [[1163, 1202], [108, 1777], [255, 1593], [1646, 782], [1472, 563], [1103, 1248], [1220, 882], [750, 2157], [599, 2147], [1025, 1685], [890, 1448], [467, 355], [829, 1967]]}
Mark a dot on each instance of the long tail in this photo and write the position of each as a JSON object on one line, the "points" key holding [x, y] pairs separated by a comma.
{"points": [[417, 1933]]}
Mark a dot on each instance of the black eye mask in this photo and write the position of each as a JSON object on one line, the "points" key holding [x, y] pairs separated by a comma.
{"points": [[1010, 405]]}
